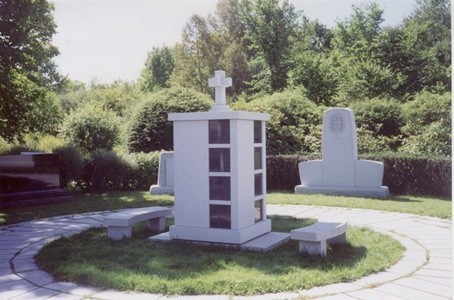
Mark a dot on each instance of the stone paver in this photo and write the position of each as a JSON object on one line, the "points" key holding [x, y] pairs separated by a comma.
{"points": [[424, 272]]}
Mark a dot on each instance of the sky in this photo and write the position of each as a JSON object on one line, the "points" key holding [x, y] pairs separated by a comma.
{"points": [[108, 40]]}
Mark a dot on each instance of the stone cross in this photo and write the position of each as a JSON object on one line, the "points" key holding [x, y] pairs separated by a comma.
{"points": [[220, 83]]}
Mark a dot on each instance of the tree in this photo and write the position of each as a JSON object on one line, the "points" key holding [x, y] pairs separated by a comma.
{"points": [[26, 68], [357, 59], [198, 55], [270, 24], [311, 66], [427, 44], [236, 54], [158, 69]]}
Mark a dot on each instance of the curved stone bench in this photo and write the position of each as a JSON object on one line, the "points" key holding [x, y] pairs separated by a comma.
{"points": [[119, 225], [314, 239]]}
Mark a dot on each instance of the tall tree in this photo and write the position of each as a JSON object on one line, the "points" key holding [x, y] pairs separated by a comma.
{"points": [[270, 24], [427, 44], [236, 53], [357, 58], [198, 55], [311, 66], [26, 67], [158, 69]]}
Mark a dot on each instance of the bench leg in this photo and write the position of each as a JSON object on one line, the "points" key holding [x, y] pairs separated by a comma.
{"points": [[340, 239], [119, 232], [157, 224], [313, 248]]}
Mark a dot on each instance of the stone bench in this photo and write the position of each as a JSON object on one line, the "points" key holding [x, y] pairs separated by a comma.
{"points": [[119, 225], [314, 239]]}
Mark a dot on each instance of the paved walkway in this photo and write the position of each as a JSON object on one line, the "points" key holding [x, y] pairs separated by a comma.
{"points": [[424, 272]]}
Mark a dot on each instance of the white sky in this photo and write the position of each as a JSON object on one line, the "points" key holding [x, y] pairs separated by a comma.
{"points": [[109, 40]]}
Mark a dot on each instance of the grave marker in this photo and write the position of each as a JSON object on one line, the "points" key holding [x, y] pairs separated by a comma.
{"points": [[340, 172]]}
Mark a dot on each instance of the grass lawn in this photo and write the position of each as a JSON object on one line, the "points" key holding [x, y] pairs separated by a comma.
{"points": [[82, 203], [179, 268], [428, 206], [418, 205]]}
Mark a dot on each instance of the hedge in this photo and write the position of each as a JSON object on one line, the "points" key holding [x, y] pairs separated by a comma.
{"points": [[104, 170], [403, 174]]}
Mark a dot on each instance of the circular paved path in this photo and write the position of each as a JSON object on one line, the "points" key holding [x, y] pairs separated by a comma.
{"points": [[424, 272]]}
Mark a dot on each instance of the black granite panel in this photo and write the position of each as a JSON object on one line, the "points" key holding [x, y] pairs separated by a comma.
{"points": [[29, 172]]}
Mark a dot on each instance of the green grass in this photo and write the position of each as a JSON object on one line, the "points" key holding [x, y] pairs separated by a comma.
{"points": [[178, 268], [426, 206], [419, 205], [82, 203]]}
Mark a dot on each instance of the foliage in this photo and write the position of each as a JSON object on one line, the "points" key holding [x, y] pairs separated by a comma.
{"points": [[369, 142], [316, 74], [379, 123], [434, 139], [102, 170], [413, 175], [269, 26], [105, 170], [265, 46], [198, 55], [72, 164], [158, 69], [428, 124], [32, 142], [118, 97], [91, 127], [150, 129], [26, 68], [427, 40], [294, 125], [144, 167], [89, 257], [383, 116], [26, 107]]}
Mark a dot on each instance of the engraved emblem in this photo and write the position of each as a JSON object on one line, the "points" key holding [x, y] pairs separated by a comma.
{"points": [[336, 123]]}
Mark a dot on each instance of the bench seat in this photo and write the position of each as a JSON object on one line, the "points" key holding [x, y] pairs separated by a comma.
{"points": [[119, 225], [314, 239]]}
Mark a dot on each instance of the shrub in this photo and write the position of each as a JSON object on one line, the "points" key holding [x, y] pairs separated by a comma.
{"points": [[282, 171], [105, 170], [434, 139], [295, 124], [150, 129], [72, 163], [381, 116], [117, 97], [427, 127], [425, 109], [91, 127], [405, 174], [144, 168], [369, 142]]}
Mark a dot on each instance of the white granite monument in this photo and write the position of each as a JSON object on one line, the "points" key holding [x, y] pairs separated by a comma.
{"points": [[220, 176], [340, 172], [165, 175]]}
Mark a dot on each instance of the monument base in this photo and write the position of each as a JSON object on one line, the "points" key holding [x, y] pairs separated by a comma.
{"points": [[378, 192], [263, 243], [219, 235], [161, 190]]}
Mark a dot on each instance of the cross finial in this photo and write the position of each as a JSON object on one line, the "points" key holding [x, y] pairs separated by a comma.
{"points": [[220, 83]]}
